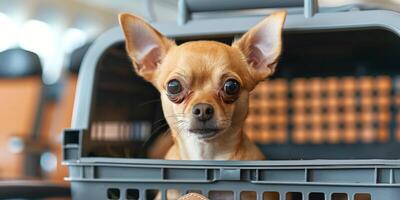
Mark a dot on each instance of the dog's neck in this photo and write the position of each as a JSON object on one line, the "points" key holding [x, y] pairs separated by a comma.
{"points": [[223, 147]]}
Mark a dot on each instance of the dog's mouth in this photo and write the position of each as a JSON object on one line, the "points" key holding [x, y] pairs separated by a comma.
{"points": [[205, 133]]}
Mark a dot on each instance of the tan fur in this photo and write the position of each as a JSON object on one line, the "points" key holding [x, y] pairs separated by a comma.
{"points": [[202, 67], [206, 55]]}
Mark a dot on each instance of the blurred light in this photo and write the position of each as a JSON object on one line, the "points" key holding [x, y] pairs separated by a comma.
{"points": [[8, 32], [48, 161], [90, 24], [73, 39], [16, 145], [52, 65], [38, 37]]}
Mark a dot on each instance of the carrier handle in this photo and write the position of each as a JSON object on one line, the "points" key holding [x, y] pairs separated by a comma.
{"points": [[310, 8], [186, 7]]}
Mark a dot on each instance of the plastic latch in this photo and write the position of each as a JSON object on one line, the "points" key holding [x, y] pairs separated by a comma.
{"points": [[229, 174]]}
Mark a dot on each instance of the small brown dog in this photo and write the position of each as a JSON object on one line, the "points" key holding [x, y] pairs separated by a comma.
{"points": [[205, 85]]}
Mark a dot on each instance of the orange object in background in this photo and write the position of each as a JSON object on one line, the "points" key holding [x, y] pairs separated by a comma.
{"points": [[268, 111], [323, 110], [20, 94], [19, 100], [31, 122]]}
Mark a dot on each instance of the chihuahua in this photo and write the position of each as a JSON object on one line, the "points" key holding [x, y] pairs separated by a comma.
{"points": [[205, 85]]}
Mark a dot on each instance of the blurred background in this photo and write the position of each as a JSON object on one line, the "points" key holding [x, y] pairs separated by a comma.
{"points": [[42, 43]]}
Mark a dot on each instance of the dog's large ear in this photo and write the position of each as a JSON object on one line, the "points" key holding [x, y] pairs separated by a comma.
{"points": [[145, 45], [262, 45]]}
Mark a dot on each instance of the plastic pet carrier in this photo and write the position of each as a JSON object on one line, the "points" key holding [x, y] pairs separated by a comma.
{"points": [[328, 120]]}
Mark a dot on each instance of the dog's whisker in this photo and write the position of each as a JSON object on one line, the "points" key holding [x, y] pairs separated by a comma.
{"points": [[176, 114], [158, 121], [148, 102], [180, 124], [159, 128], [174, 117]]}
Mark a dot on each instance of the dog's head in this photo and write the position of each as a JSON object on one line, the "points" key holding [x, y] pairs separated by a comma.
{"points": [[204, 85]]}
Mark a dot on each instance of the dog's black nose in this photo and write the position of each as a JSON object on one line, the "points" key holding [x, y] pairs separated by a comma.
{"points": [[203, 111]]}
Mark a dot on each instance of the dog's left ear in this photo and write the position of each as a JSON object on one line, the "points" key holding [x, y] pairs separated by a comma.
{"points": [[144, 44], [262, 45]]}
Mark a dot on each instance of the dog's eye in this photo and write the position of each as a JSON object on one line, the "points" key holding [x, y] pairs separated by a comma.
{"points": [[174, 87], [231, 87]]}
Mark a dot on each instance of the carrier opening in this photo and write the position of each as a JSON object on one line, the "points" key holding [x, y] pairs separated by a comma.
{"points": [[335, 95]]}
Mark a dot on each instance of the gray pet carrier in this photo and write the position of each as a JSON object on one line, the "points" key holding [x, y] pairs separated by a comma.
{"points": [[117, 115]]}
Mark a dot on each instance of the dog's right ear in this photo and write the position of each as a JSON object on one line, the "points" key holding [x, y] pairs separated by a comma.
{"points": [[145, 45], [262, 45]]}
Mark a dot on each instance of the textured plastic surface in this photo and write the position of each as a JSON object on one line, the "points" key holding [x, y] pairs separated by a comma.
{"points": [[112, 178], [378, 178]]}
